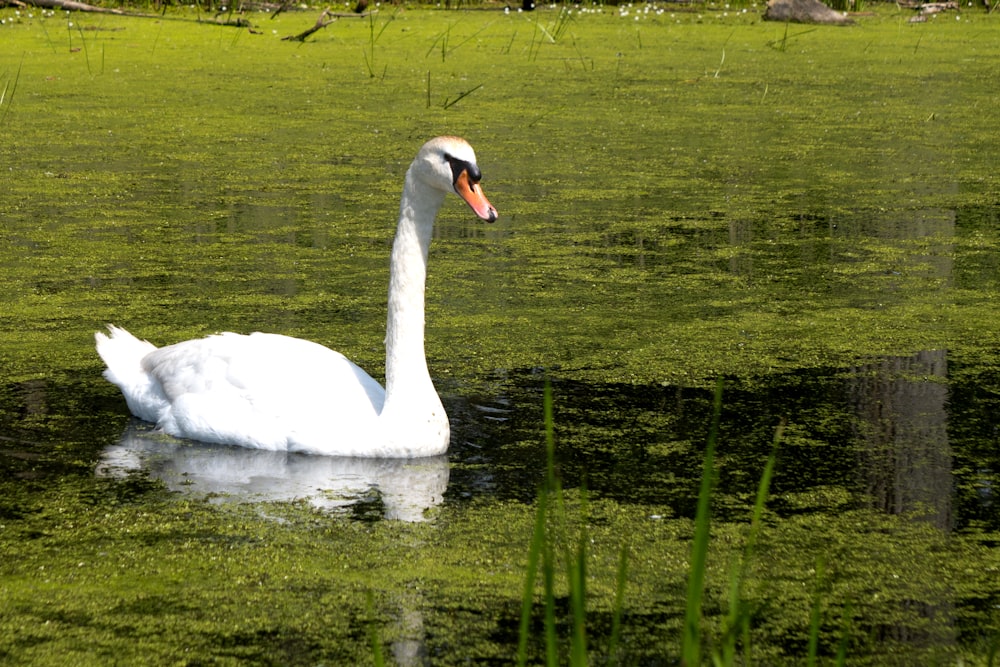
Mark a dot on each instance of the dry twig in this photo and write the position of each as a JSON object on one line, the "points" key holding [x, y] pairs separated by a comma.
{"points": [[325, 19]]}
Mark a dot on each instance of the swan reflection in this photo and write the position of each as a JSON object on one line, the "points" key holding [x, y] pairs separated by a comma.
{"points": [[407, 487]]}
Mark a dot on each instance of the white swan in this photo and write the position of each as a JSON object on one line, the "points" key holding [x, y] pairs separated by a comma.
{"points": [[275, 392]]}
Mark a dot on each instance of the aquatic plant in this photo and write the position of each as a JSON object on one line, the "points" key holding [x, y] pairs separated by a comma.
{"points": [[374, 637], [373, 38], [782, 43], [551, 32], [737, 623], [691, 638], [448, 103], [551, 529], [7, 94], [444, 42]]}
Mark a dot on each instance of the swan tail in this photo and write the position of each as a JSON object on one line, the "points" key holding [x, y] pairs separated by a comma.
{"points": [[123, 353]]}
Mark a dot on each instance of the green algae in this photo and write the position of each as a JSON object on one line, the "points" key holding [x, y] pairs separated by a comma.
{"points": [[190, 582], [668, 215], [693, 186]]}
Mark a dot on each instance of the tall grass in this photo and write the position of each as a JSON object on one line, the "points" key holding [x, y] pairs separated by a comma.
{"points": [[374, 34], [551, 529], [378, 660], [737, 626], [550, 543], [83, 42], [447, 47], [550, 33], [847, 5], [448, 103], [7, 94], [691, 639]]}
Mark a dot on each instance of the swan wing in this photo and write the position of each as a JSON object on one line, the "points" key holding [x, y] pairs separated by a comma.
{"points": [[263, 390]]}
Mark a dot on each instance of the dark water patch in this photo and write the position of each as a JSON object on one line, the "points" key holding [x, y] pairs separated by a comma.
{"points": [[884, 434], [153, 605], [974, 430], [50, 426]]}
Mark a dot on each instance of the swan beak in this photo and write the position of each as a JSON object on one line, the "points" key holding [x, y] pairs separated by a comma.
{"points": [[472, 193]]}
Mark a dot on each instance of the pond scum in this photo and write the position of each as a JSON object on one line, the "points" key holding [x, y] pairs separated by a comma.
{"points": [[689, 193]]}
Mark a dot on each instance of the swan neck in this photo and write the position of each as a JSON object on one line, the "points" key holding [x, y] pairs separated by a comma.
{"points": [[405, 363]]}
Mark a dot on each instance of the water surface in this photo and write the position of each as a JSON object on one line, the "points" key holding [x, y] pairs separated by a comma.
{"points": [[818, 231]]}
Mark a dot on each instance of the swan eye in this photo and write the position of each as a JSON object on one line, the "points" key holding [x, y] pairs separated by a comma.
{"points": [[459, 165]]}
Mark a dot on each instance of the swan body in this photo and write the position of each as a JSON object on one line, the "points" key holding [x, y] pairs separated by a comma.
{"points": [[274, 392]]}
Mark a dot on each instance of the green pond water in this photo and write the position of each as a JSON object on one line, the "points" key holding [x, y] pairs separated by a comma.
{"points": [[685, 193]]}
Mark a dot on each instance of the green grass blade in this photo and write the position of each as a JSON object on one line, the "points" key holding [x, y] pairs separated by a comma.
{"points": [[616, 617], [376, 643], [845, 636], [691, 640], [450, 103], [578, 592], [528, 596], [86, 52], [554, 490], [550, 438], [552, 483], [548, 577], [763, 490], [13, 88], [738, 621]]}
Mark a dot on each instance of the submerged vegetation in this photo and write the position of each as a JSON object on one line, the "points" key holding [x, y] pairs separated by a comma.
{"points": [[687, 193]]}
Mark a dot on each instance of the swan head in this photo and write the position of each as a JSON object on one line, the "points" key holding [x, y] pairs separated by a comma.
{"points": [[449, 164]]}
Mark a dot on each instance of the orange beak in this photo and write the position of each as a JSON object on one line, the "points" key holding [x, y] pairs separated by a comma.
{"points": [[472, 193]]}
